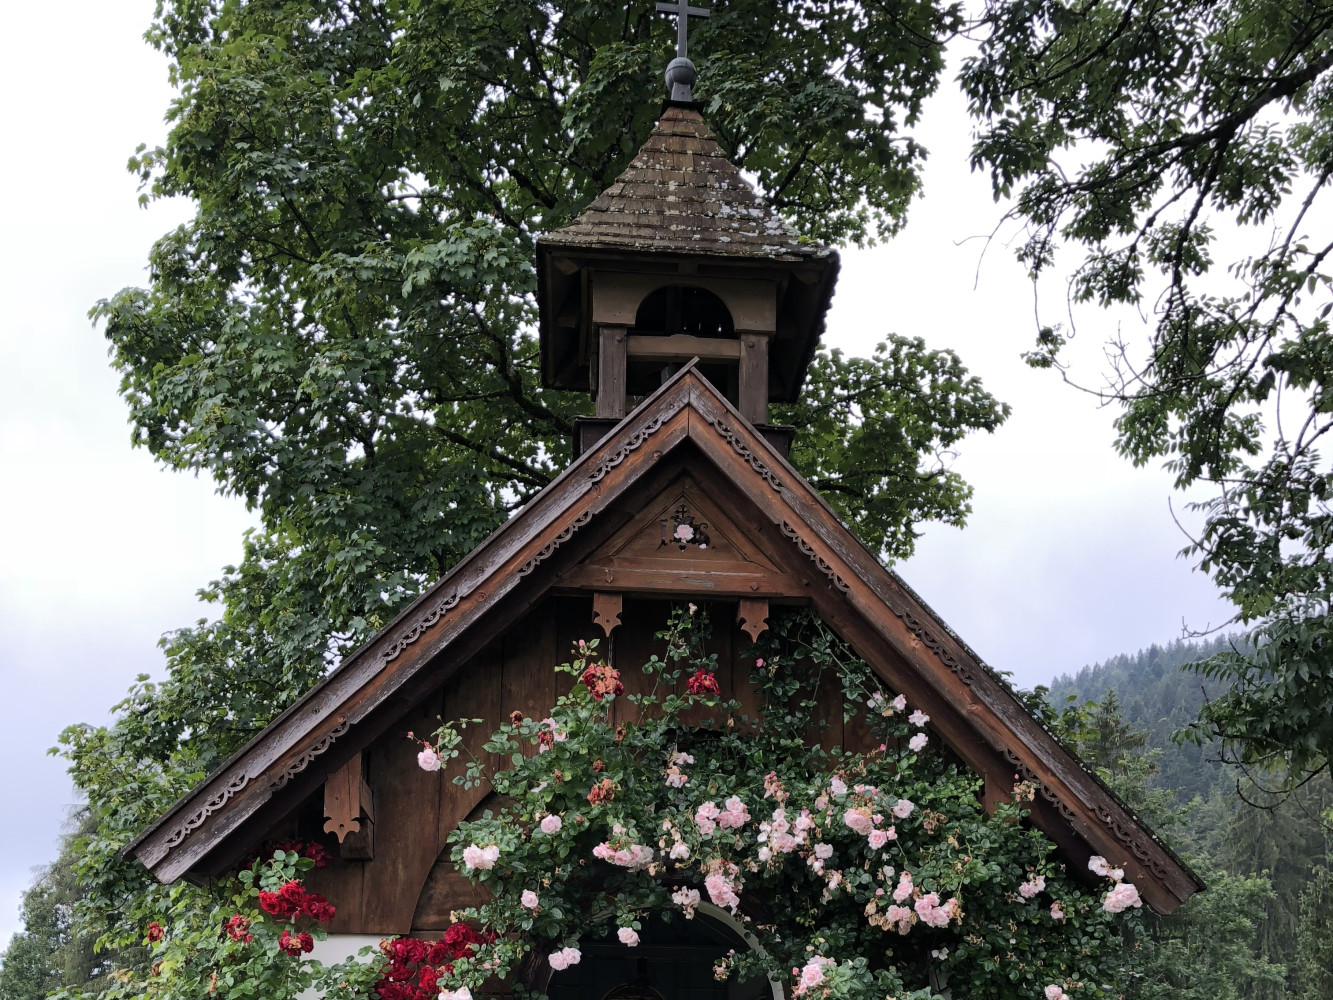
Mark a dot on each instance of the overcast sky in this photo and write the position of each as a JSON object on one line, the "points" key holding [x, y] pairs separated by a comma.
{"points": [[1069, 557]]}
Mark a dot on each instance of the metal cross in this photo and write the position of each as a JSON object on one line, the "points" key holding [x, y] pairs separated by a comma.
{"points": [[683, 12]]}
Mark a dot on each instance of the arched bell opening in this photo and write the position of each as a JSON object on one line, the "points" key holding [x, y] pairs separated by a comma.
{"points": [[674, 960], [675, 311]]}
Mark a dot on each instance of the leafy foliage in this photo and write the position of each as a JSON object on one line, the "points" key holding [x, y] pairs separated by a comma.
{"points": [[342, 336], [1188, 116], [600, 825]]}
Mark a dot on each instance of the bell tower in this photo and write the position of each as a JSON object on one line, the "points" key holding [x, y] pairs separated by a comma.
{"points": [[679, 259]]}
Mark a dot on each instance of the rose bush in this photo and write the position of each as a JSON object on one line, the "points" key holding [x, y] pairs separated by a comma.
{"points": [[857, 874]]}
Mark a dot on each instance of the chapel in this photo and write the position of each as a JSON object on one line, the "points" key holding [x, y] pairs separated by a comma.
{"points": [[685, 307]]}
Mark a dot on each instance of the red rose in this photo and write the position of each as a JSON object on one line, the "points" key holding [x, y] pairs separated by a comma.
{"points": [[703, 682], [428, 977], [438, 953], [318, 908], [288, 944], [307, 942], [155, 933], [293, 891], [603, 681], [272, 902]]}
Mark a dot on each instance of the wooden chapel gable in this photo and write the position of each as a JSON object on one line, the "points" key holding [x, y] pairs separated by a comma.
{"points": [[599, 542]]}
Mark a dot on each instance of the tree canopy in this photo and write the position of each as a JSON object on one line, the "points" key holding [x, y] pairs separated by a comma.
{"points": [[1135, 134]]}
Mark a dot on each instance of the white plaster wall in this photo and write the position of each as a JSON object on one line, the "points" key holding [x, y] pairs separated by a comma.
{"points": [[338, 948]]}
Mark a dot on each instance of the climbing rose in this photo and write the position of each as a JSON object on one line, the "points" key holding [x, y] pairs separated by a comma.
{"points": [[687, 900], [603, 791], [551, 824], [734, 815], [1098, 866], [628, 936], [918, 718], [721, 891], [1121, 898], [918, 742], [903, 808], [899, 703], [603, 680], [1056, 912], [1034, 885], [462, 993], [823, 851], [858, 820], [480, 857], [904, 890], [529, 899], [429, 760], [564, 958], [706, 816], [155, 933], [878, 838], [1054, 992], [294, 944], [837, 786], [702, 682]]}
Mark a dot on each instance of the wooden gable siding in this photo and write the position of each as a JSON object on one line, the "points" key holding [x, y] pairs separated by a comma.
{"points": [[686, 426], [409, 885]]}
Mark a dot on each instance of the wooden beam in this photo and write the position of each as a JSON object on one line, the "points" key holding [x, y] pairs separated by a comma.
{"points": [[611, 371], [682, 347], [754, 378], [349, 811]]}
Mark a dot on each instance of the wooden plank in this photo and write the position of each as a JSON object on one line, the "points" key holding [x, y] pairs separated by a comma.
{"points": [[754, 378], [528, 677], [737, 580], [682, 347], [408, 805], [611, 371]]}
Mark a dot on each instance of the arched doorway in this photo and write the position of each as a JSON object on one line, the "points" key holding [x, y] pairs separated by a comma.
{"points": [[674, 960]]}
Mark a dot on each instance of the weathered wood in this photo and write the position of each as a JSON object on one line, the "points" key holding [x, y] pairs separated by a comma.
{"points": [[900, 638], [752, 617], [606, 610], [342, 800], [754, 377], [682, 347], [612, 371]]}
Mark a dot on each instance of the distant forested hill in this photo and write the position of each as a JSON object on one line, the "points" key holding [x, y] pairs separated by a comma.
{"points": [[1266, 924], [1159, 697]]}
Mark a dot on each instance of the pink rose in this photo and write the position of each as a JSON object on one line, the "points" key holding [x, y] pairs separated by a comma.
{"points": [[564, 958], [899, 703], [529, 899], [877, 839], [903, 808], [1122, 897], [918, 742], [1098, 866], [1056, 912], [838, 786], [1054, 992], [628, 936], [918, 718], [428, 760], [858, 820], [721, 891], [551, 824]]}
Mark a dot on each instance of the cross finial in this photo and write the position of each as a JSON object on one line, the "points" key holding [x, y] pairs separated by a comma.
{"points": [[680, 73]]}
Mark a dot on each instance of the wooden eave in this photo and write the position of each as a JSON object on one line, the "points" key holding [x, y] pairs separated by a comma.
{"points": [[972, 710]]}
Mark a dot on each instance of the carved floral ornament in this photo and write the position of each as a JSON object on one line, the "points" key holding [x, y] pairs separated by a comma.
{"points": [[681, 530]]}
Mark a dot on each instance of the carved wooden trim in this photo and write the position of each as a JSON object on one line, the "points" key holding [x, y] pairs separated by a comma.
{"points": [[606, 609], [196, 818], [932, 642], [414, 631], [310, 753], [752, 617], [815, 557], [744, 452], [549, 548], [342, 799], [635, 442]]}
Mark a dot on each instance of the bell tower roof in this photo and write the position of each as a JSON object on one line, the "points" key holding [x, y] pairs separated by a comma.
{"points": [[681, 194]]}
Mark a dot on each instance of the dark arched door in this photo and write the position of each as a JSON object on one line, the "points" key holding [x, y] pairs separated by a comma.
{"points": [[674, 960]]}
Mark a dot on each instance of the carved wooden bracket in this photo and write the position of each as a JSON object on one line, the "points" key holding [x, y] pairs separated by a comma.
{"points": [[606, 610], [349, 811], [752, 617]]}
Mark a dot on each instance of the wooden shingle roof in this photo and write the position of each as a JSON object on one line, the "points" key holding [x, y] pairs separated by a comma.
{"points": [[681, 194]]}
